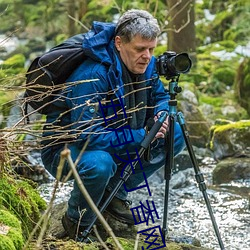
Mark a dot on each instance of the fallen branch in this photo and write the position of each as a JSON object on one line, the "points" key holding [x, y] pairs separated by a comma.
{"points": [[65, 154]]}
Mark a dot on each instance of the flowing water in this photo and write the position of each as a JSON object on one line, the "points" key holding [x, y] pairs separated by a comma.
{"points": [[187, 212]]}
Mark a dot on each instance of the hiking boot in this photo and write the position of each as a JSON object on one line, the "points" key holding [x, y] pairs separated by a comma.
{"points": [[120, 210], [74, 231]]}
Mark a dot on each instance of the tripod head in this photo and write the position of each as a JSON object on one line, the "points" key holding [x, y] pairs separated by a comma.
{"points": [[174, 89]]}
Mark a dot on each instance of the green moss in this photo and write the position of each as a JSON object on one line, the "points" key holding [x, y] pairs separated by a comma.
{"points": [[13, 71], [242, 84], [174, 246], [228, 45], [125, 243], [13, 239], [9, 219], [20, 198], [16, 237], [16, 61], [239, 128], [225, 75], [235, 125], [6, 243], [212, 100]]}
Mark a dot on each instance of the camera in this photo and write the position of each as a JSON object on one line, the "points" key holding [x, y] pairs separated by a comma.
{"points": [[171, 65]]}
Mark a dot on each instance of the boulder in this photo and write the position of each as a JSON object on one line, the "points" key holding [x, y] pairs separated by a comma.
{"points": [[230, 143], [231, 169], [231, 139]]}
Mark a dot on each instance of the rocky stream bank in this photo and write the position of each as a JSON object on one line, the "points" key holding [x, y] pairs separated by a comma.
{"points": [[188, 218]]}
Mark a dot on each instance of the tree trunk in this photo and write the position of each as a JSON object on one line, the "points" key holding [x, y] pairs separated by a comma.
{"points": [[71, 6], [181, 27], [83, 7]]}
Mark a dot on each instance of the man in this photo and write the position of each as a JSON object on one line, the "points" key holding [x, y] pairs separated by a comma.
{"points": [[109, 114]]}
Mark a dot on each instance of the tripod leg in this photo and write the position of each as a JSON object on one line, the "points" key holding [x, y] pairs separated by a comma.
{"points": [[168, 171], [199, 176], [128, 171]]}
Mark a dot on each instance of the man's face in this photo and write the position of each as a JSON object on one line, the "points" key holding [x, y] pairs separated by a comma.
{"points": [[137, 53]]}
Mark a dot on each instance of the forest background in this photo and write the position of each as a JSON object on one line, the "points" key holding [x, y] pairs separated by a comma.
{"points": [[214, 33]]}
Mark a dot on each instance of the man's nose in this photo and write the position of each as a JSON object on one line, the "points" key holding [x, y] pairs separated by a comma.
{"points": [[146, 54]]}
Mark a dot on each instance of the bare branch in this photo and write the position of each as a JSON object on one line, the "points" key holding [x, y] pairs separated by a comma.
{"points": [[66, 154]]}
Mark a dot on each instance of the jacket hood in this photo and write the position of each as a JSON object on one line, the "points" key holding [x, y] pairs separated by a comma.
{"points": [[98, 43]]}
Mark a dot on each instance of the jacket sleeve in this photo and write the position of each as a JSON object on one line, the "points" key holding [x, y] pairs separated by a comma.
{"points": [[87, 122]]}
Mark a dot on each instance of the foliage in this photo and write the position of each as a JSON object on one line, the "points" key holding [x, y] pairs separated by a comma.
{"points": [[22, 200], [224, 75], [227, 21], [218, 104]]}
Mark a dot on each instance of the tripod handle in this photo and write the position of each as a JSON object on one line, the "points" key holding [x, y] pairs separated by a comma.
{"points": [[153, 131]]}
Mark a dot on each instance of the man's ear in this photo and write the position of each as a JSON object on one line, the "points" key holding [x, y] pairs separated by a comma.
{"points": [[118, 43]]}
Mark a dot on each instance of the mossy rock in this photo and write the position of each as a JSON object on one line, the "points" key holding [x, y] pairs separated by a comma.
{"points": [[231, 169], [128, 244], [225, 75], [21, 199], [232, 139], [11, 237], [16, 61]]}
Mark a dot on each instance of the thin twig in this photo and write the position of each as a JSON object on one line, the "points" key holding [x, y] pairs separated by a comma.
{"points": [[99, 238], [77, 21], [136, 242], [66, 154]]}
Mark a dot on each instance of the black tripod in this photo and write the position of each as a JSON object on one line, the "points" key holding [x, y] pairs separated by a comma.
{"points": [[129, 170], [173, 90]]}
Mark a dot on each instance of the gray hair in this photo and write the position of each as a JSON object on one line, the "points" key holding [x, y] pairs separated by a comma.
{"points": [[137, 22]]}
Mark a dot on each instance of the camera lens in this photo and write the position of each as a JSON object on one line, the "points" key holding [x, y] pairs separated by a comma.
{"points": [[182, 63]]}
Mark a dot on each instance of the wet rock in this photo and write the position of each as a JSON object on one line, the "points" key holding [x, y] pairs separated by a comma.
{"points": [[231, 139], [181, 179], [231, 169]]}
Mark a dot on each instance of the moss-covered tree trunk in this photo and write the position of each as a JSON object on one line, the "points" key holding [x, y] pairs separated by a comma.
{"points": [[242, 85]]}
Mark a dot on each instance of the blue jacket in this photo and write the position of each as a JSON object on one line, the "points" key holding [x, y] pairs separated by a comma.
{"points": [[84, 119]]}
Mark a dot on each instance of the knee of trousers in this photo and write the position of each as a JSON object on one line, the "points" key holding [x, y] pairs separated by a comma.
{"points": [[98, 165]]}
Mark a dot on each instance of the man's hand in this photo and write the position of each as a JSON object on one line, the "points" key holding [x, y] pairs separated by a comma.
{"points": [[163, 129]]}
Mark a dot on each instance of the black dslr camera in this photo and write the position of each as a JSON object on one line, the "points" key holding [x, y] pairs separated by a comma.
{"points": [[171, 65]]}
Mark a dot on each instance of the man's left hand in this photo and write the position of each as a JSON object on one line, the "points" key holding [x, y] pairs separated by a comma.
{"points": [[163, 129]]}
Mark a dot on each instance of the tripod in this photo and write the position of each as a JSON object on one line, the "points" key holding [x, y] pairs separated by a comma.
{"points": [[128, 169], [173, 114], [173, 90]]}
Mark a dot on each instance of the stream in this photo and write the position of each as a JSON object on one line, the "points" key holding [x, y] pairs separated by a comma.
{"points": [[188, 216]]}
